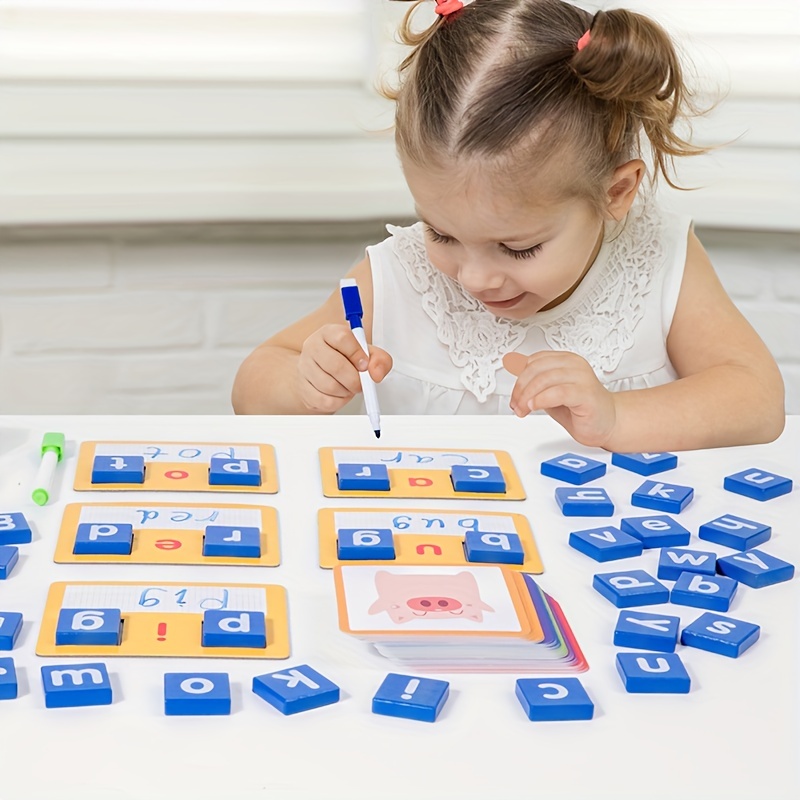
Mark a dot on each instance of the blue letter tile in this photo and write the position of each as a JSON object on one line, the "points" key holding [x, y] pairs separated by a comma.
{"points": [[662, 496], [81, 626], [103, 538], [363, 477], [10, 626], [605, 544], [118, 469], [714, 592], [647, 673], [722, 635], [364, 544], [9, 555], [673, 561], [234, 471], [76, 685], [8, 679], [584, 502], [656, 531], [547, 699], [735, 532], [573, 469], [197, 694], [643, 631], [758, 484], [477, 479], [412, 698], [645, 463], [493, 548], [633, 588], [234, 629], [297, 689], [14, 529], [233, 542], [755, 568]]}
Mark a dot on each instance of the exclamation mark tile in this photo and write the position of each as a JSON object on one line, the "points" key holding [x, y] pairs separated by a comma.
{"points": [[162, 631], [412, 698]]}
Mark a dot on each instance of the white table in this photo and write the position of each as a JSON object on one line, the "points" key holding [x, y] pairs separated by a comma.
{"points": [[734, 736]]}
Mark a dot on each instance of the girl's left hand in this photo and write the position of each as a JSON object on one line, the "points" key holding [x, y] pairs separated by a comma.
{"points": [[565, 386]]}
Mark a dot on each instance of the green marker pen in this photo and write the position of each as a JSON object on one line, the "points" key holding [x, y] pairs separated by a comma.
{"points": [[52, 453]]}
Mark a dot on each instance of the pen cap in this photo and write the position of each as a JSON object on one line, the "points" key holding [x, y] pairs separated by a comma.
{"points": [[55, 442], [351, 299]]}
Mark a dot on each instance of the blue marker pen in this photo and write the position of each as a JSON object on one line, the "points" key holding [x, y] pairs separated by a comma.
{"points": [[354, 311]]}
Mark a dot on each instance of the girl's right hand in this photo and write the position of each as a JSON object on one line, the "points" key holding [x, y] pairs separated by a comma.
{"points": [[328, 368]]}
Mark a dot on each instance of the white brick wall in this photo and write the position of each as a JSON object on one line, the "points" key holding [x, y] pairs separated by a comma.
{"points": [[157, 320]]}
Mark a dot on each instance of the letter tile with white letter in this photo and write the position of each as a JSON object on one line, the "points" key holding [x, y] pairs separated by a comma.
{"points": [[233, 628], [72, 685], [714, 592], [668, 497], [546, 699], [633, 588], [651, 673], [755, 568], [735, 532], [574, 469], [758, 484], [722, 635], [644, 631], [234, 471], [296, 689], [197, 694]]}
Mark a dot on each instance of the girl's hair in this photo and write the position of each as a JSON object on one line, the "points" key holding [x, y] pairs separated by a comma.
{"points": [[504, 80]]}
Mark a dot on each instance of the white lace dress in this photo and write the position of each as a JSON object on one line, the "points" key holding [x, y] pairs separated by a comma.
{"points": [[448, 347]]}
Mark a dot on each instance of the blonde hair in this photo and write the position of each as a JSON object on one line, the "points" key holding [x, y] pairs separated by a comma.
{"points": [[503, 80]]}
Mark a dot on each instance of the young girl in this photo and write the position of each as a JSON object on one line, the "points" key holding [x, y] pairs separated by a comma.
{"points": [[541, 275]]}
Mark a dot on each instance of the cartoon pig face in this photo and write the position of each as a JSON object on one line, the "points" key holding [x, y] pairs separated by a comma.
{"points": [[407, 597]]}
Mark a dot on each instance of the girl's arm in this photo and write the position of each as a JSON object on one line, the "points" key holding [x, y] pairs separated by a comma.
{"points": [[730, 390], [310, 367]]}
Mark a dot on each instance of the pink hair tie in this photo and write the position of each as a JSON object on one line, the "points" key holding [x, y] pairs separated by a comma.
{"points": [[584, 40], [447, 7]]}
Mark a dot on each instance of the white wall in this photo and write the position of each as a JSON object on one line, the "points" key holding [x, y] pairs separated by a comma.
{"points": [[129, 111]]}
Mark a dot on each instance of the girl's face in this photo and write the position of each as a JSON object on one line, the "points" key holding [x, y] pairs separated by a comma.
{"points": [[517, 254]]}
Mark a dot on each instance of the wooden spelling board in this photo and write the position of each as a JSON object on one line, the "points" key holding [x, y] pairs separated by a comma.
{"points": [[419, 473], [424, 536], [165, 619], [176, 466], [168, 533]]}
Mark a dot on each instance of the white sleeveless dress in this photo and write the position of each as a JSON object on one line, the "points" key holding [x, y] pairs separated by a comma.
{"points": [[448, 347]]}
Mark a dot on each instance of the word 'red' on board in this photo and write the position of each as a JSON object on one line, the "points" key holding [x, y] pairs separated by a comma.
{"points": [[166, 533]]}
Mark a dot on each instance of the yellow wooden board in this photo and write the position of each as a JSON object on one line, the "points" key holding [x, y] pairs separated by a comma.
{"points": [[176, 466], [165, 619], [419, 473], [423, 536], [168, 533]]}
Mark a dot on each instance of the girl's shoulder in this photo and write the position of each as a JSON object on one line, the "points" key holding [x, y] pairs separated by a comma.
{"points": [[404, 247]]}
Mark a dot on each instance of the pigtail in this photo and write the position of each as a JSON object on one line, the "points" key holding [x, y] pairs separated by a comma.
{"points": [[408, 36], [630, 64], [431, 78]]}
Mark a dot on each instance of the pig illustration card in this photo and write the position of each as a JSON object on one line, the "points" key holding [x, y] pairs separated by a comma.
{"points": [[423, 601]]}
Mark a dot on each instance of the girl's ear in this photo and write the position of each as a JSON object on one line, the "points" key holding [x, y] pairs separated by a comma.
{"points": [[623, 188]]}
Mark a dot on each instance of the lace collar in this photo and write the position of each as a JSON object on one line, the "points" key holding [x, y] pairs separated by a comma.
{"points": [[597, 321]]}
